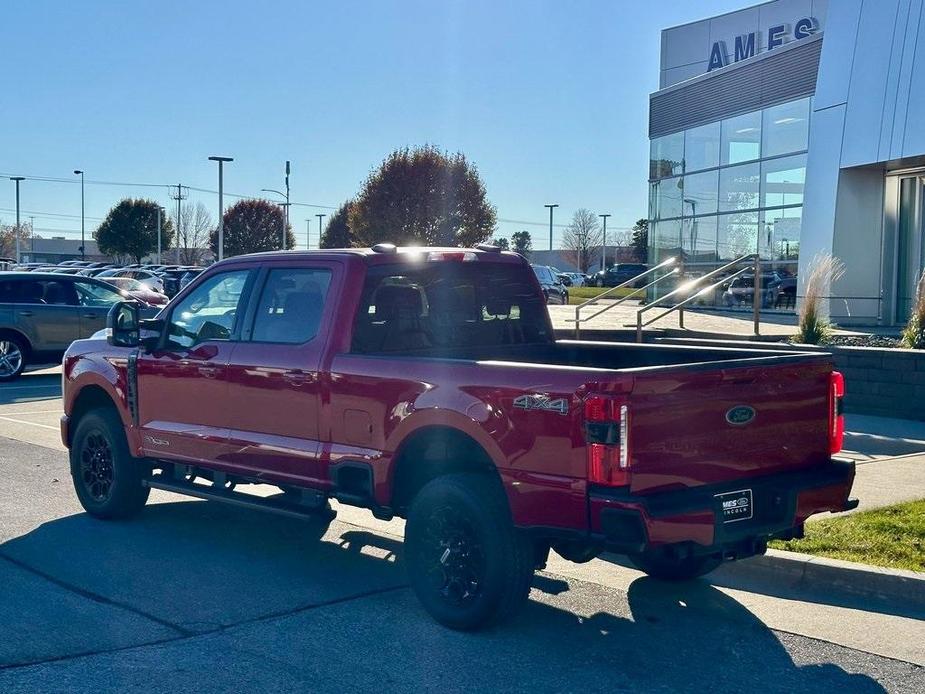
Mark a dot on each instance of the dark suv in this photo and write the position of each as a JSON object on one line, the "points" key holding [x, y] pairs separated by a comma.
{"points": [[41, 314], [618, 274], [553, 289]]}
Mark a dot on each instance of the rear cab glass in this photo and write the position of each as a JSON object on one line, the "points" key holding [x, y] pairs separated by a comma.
{"points": [[448, 305]]}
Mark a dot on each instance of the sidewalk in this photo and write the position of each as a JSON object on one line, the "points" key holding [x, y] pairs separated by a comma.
{"points": [[731, 324], [890, 457]]}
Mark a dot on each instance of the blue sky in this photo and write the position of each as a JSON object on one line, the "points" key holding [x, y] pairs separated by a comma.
{"points": [[548, 99]]}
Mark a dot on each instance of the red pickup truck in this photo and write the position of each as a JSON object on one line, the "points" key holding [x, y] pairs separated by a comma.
{"points": [[427, 383]]}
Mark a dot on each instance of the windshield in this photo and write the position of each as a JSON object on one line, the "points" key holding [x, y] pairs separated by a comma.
{"points": [[91, 294], [126, 283]]}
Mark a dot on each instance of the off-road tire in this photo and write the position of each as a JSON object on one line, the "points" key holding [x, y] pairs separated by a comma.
{"points": [[665, 568], [485, 546], [107, 478]]}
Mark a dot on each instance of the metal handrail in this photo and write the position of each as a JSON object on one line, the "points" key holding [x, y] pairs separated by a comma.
{"points": [[687, 286], [603, 295]]}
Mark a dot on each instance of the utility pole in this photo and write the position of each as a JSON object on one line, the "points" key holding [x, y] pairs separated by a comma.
{"points": [[159, 210], [16, 180], [320, 217], [287, 205], [604, 249], [551, 208], [179, 196], [308, 234], [221, 208], [83, 244]]}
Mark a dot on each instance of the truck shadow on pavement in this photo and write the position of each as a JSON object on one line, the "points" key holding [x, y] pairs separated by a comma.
{"points": [[31, 387], [339, 611]]}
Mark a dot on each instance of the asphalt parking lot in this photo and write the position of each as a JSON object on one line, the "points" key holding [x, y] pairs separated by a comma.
{"points": [[193, 595]]}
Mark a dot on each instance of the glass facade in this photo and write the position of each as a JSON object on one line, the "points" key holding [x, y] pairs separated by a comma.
{"points": [[727, 189]]}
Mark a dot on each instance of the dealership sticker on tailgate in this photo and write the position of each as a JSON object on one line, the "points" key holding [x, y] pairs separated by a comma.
{"points": [[736, 505]]}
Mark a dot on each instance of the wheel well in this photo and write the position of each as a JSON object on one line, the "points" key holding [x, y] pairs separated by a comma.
{"points": [[89, 398], [6, 332], [430, 453]]}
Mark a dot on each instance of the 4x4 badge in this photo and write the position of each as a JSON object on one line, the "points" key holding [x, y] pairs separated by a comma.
{"points": [[541, 402]]}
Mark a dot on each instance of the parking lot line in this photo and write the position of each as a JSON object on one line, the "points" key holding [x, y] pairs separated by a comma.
{"points": [[23, 421], [18, 414]]}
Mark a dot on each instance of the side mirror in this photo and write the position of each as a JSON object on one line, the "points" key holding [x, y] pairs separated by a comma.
{"points": [[122, 325]]}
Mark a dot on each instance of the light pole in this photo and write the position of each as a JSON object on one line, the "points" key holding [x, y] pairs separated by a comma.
{"points": [[32, 237], [551, 208], [320, 217], [604, 245], [285, 207], [221, 205], [83, 252], [308, 234], [158, 232], [16, 180]]}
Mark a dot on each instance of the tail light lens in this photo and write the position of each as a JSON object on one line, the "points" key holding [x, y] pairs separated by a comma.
{"points": [[836, 417], [607, 438]]}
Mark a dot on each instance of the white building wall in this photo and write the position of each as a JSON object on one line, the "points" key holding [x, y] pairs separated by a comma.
{"points": [[867, 117]]}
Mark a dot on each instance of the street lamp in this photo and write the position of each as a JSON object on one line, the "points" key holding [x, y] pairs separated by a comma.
{"points": [[320, 217], [16, 180], [604, 245], [285, 207], [83, 253], [308, 234], [158, 232], [221, 225], [551, 208]]}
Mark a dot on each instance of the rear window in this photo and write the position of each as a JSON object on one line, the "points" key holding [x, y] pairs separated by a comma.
{"points": [[448, 305]]}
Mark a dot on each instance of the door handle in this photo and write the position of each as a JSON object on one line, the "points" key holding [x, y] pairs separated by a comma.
{"points": [[89, 315], [297, 377], [208, 371], [25, 313]]}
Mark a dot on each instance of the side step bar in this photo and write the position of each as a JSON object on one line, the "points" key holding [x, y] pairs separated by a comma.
{"points": [[278, 505]]}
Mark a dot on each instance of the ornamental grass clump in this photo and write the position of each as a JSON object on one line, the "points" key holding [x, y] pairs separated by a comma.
{"points": [[914, 332], [814, 327]]}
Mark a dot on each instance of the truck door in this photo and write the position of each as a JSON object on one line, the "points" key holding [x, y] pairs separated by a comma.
{"points": [[183, 403], [274, 374]]}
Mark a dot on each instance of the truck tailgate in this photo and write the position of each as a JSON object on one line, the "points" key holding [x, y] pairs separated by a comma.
{"points": [[714, 425]]}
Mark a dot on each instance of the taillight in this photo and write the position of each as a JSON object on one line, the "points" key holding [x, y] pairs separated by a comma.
{"points": [[836, 416], [607, 438]]}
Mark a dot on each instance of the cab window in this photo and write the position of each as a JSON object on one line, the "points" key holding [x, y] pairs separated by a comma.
{"points": [[290, 306], [209, 312]]}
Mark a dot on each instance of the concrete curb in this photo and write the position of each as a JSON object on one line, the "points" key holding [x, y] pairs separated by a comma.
{"points": [[807, 572]]}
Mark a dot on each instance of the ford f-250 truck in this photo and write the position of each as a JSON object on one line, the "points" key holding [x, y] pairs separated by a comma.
{"points": [[428, 384]]}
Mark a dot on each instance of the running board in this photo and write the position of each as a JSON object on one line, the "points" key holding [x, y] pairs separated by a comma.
{"points": [[274, 505]]}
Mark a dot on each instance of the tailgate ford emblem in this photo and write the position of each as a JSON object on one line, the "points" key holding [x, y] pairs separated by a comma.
{"points": [[740, 415]]}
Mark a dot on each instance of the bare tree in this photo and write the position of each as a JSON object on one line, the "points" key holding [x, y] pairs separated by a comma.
{"points": [[8, 239], [193, 232], [582, 239]]}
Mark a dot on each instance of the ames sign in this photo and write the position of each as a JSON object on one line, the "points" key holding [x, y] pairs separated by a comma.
{"points": [[747, 45]]}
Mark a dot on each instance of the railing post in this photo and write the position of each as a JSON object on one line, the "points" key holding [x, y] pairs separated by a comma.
{"points": [[756, 298], [639, 326], [577, 324]]}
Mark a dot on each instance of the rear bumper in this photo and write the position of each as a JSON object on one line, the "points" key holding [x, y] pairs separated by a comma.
{"points": [[693, 518]]}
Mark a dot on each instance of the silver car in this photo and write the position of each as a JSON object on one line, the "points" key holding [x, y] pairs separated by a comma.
{"points": [[42, 313]]}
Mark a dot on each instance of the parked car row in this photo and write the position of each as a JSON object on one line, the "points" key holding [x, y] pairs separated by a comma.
{"points": [[43, 308], [162, 279]]}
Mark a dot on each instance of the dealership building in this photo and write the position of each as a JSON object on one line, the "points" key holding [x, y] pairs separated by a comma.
{"points": [[794, 128]]}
